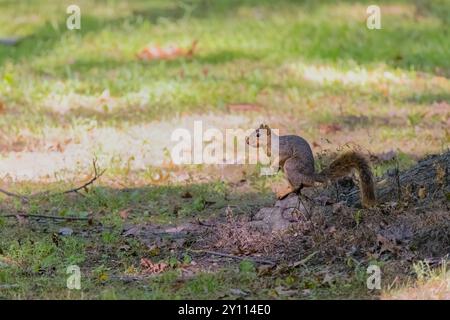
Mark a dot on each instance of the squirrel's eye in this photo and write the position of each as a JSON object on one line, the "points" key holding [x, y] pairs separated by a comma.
{"points": [[257, 135]]}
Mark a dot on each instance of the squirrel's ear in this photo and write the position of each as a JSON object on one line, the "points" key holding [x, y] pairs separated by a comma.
{"points": [[262, 126]]}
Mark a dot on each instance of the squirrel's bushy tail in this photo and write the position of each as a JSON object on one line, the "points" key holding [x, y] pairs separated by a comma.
{"points": [[343, 165]]}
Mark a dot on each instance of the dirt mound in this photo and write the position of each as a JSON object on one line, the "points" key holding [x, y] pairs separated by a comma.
{"points": [[334, 232]]}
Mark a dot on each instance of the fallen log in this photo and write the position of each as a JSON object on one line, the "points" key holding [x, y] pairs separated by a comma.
{"points": [[428, 180]]}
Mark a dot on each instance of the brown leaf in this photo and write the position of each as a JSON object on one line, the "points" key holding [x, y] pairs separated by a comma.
{"points": [[315, 144], [387, 244], [124, 213], [148, 267], [244, 107], [329, 128], [155, 52]]}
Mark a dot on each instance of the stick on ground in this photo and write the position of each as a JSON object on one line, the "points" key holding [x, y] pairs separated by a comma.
{"points": [[43, 216], [25, 199], [227, 255]]}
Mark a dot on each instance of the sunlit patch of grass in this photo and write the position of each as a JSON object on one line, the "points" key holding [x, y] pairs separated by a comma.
{"points": [[401, 161], [356, 76], [430, 284]]}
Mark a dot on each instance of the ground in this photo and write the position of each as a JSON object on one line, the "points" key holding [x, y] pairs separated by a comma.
{"points": [[306, 67]]}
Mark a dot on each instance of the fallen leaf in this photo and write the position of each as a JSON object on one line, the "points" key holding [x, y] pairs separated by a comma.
{"points": [[124, 214], [244, 108], [155, 52], [329, 128], [387, 245], [148, 267]]}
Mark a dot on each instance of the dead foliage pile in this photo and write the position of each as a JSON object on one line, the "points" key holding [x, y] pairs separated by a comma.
{"points": [[395, 233]]}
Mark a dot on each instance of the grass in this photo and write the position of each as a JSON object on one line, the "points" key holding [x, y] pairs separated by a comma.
{"points": [[431, 283], [67, 96]]}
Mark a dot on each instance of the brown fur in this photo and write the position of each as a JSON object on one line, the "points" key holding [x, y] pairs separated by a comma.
{"points": [[343, 165], [297, 161]]}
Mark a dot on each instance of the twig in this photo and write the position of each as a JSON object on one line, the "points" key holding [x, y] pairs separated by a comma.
{"points": [[97, 175], [203, 224], [8, 286], [305, 260], [42, 216], [227, 255], [14, 195]]}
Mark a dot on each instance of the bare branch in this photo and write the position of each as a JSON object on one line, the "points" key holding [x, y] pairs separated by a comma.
{"points": [[97, 175], [14, 195], [43, 216]]}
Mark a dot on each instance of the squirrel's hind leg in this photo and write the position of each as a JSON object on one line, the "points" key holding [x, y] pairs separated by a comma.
{"points": [[298, 174]]}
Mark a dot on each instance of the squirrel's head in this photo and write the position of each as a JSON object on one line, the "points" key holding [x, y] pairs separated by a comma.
{"points": [[261, 137]]}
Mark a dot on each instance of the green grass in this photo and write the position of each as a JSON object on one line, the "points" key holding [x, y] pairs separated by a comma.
{"points": [[307, 64], [242, 44]]}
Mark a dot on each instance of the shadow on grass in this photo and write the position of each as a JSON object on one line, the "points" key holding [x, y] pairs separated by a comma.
{"points": [[400, 47], [161, 203]]}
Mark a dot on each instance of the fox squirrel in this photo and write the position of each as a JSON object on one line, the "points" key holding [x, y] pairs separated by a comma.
{"points": [[297, 161]]}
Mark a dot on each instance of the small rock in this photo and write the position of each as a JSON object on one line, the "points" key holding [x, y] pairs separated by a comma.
{"points": [[290, 201], [65, 231], [238, 292]]}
